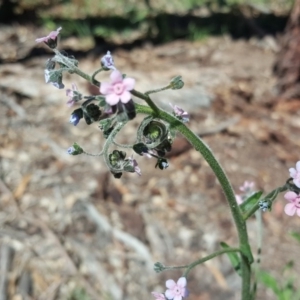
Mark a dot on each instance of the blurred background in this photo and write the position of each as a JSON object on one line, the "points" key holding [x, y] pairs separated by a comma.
{"points": [[68, 228]]}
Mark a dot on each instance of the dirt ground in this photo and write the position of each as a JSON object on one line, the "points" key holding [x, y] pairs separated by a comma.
{"points": [[68, 229]]}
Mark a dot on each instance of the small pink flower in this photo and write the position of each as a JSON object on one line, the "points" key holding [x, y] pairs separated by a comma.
{"points": [[176, 291], [51, 36], [247, 187], [179, 112], [295, 174], [294, 206], [73, 95], [118, 89], [158, 296], [238, 199]]}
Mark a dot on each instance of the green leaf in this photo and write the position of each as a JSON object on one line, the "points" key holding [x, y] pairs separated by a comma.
{"points": [[250, 202], [269, 281], [233, 257], [296, 236]]}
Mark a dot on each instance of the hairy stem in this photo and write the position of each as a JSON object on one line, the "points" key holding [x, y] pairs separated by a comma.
{"points": [[200, 146]]}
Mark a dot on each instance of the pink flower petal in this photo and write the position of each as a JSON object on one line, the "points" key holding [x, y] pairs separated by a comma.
{"points": [[298, 166], [170, 294], [298, 212], [290, 196], [178, 297], [116, 76], [129, 83], [181, 282], [290, 209], [112, 99], [170, 284], [125, 97], [297, 182], [292, 172], [106, 88], [43, 39]]}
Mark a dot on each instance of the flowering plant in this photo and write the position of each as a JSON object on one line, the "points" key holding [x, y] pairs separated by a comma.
{"points": [[115, 106]]}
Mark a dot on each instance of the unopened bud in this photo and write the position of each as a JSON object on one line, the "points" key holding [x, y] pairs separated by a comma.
{"points": [[176, 83]]}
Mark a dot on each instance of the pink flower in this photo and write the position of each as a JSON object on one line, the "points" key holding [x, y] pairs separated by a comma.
{"points": [[238, 199], [51, 36], [158, 296], [73, 95], [248, 189], [247, 186], [295, 174], [176, 291], [294, 206], [118, 89], [179, 112]]}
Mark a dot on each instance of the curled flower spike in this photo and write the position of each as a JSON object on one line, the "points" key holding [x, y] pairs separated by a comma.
{"points": [[118, 89], [50, 39], [295, 174], [73, 95], [176, 291], [107, 61], [158, 296], [180, 113], [294, 206]]}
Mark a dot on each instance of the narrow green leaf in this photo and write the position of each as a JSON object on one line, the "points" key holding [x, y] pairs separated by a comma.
{"points": [[250, 202], [269, 281], [233, 257]]}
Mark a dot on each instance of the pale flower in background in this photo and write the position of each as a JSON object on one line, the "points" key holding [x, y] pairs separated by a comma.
{"points": [[294, 206], [295, 174], [158, 296], [51, 36]]}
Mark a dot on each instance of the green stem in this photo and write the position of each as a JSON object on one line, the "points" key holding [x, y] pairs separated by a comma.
{"points": [[109, 142], [200, 146], [158, 90], [154, 107], [208, 257], [67, 62]]}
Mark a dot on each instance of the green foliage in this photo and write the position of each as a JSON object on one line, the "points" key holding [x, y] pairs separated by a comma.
{"points": [[287, 288], [79, 294], [233, 257], [296, 236], [250, 202]]}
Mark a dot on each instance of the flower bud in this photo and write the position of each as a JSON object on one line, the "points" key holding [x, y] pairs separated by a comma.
{"points": [[176, 83], [75, 149], [158, 267], [54, 77], [76, 115], [162, 163], [107, 62]]}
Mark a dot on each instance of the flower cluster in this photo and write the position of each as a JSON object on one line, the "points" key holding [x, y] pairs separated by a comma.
{"points": [[175, 291]]}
